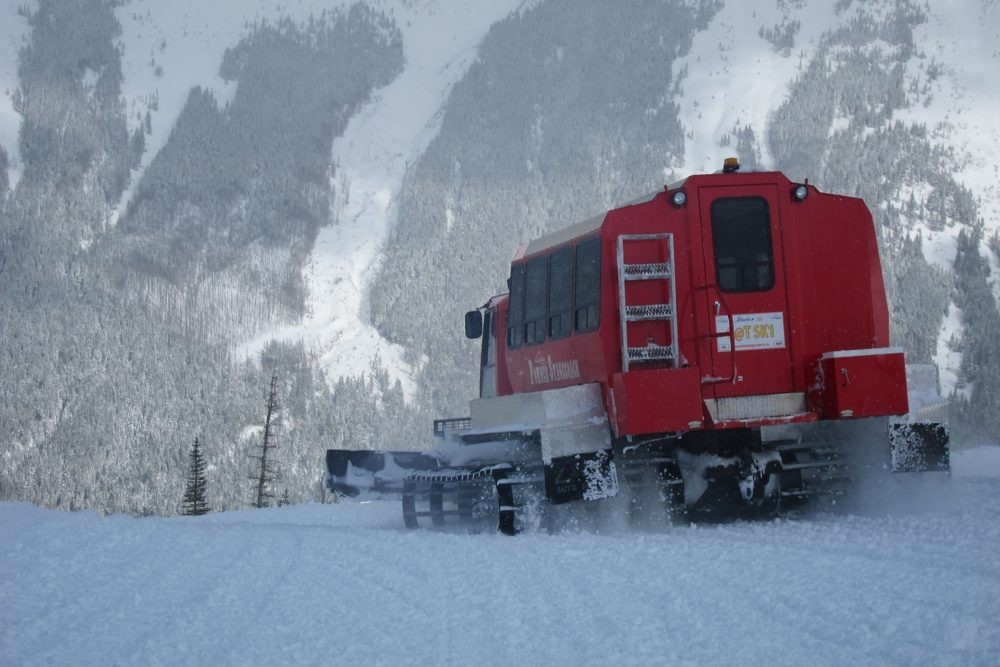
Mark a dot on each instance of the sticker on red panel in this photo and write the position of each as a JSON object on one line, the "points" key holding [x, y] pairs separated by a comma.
{"points": [[752, 331]]}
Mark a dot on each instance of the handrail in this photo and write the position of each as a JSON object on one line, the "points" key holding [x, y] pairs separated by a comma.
{"points": [[720, 303]]}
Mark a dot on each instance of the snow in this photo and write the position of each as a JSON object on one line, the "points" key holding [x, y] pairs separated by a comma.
{"points": [[976, 462], [917, 583], [963, 38], [171, 47], [13, 37], [380, 142], [962, 108], [940, 246], [735, 77], [168, 48], [949, 356]]}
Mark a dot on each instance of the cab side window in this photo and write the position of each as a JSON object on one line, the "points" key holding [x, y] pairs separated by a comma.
{"points": [[535, 292], [515, 316], [587, 308], [553, 295], [561, 293]]}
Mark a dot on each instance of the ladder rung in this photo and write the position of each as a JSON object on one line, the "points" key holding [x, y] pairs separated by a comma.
{"points": [[652, 311], [664, 312], [651, 353], [646, 271]]}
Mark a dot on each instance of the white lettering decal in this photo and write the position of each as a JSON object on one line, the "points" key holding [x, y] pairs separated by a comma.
{"points": [[543, 370]]}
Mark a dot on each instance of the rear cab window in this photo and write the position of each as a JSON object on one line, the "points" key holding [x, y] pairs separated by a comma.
{"points": [[741, 236]]}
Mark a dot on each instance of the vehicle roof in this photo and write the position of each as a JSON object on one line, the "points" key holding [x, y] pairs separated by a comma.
{"points": [[578, 229], [594, 223]]}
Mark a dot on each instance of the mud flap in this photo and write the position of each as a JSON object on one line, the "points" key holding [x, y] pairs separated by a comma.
{"points": [[919, 447], [585, 476]]}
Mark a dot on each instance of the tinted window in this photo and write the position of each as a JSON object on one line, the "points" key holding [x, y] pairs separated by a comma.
{"points": [[561, 293], [587, 309], [515, 316], [741, 234], [535, 291]]}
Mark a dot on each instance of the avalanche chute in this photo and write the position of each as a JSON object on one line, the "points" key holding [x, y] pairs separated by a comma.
{"points": [[720, 343]]}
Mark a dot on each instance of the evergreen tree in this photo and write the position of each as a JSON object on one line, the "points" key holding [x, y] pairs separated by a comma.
{"points": [[194, 495]]}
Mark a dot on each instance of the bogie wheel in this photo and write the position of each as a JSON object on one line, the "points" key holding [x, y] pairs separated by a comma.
{"points": [[762, 498], [410, 503], [507, 515]]}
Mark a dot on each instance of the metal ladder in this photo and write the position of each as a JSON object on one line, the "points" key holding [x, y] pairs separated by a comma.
{"points": [[647, 312]]}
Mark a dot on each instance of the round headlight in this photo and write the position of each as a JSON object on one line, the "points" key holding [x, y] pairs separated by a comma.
{"points": [[800, 192], [679, 198]]}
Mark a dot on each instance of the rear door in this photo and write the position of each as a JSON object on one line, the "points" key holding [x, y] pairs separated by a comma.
{"points": [[747, 297]]}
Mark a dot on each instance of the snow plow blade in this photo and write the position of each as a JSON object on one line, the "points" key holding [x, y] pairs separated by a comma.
{"points": [[352, 472], [919, 447]]}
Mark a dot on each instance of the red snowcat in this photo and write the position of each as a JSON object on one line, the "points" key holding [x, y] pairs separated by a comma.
{"points": [[722, 342]]}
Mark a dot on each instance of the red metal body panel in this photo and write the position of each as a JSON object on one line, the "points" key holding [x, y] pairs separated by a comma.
{"points": [[865, 384], [827, 295], [656, 402]]}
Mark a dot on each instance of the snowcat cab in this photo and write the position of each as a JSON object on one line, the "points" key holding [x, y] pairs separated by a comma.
{"points": [[721, 342]]}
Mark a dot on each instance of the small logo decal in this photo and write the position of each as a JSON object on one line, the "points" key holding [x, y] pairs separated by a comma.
{"points": [[752, 331]]}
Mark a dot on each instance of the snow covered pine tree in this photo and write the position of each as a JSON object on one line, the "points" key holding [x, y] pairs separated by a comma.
{"points": [[194, 495]]}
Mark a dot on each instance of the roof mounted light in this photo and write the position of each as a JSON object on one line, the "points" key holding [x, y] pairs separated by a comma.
{"points": [[800, 192], [730, 164], [679, 198]]}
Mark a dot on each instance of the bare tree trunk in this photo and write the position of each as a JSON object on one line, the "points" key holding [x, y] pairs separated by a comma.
{"points": [[265, 475]]}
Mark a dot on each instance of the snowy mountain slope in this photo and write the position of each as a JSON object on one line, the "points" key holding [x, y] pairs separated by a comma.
{"points": [[346, 584], [733, 76], [960, 56], [961, 108], [372, 156], [12, 38], [170, 48]]}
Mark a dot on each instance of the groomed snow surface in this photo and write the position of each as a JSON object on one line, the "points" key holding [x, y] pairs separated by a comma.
{"points": [[916, 581]]}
